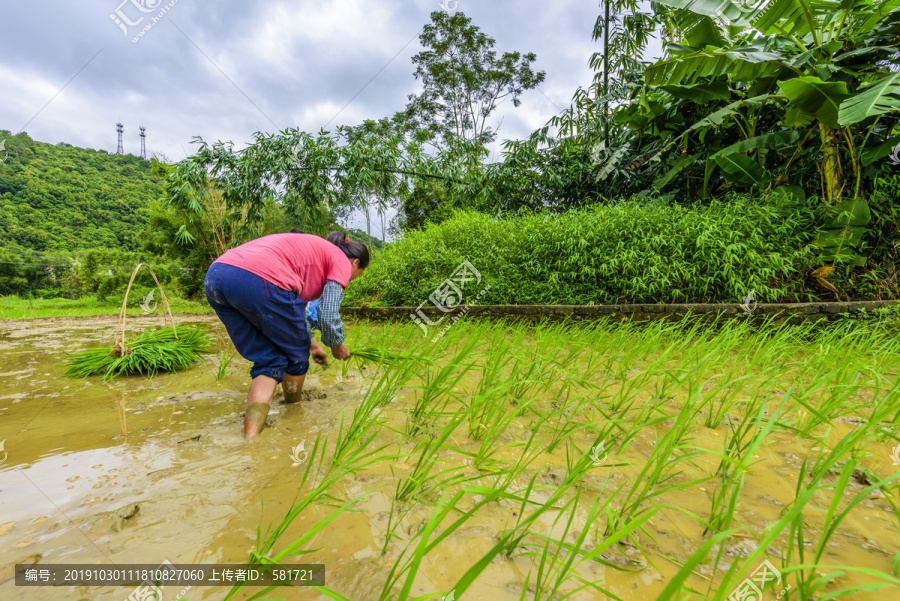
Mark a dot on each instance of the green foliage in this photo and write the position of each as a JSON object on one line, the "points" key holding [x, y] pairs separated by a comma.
{"points": [[841, 237], [316, 178], [387, 356], [816, 66], [429, 202], [373, 242], [62, 198], [465, 80], [87, 271], [153, 351], [639, 252], [32, 274]]}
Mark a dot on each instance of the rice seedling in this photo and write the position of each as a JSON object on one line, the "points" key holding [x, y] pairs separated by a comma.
{"points": [[495, 426], [388, 357], [410, 560], [565, 426], [531, 449], [421, 481], [150, 353], [366, 421], [440, 384], [741, 446], [225, 359], [557, 561], [669, 452], [756, 385]]}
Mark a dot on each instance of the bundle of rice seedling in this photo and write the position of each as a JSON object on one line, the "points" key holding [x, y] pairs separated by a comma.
{"points": [[388, 357], [152, 352]]}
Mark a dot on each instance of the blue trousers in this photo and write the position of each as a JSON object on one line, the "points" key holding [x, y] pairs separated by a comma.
{"points": [[267, 324]]}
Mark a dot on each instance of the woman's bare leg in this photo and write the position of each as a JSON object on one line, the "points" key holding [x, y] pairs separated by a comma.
{"points": [[259, 400], [292, 386]]}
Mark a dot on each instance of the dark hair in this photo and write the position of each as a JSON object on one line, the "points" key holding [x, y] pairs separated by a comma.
{"points": [[351, 248], [296, 230]]}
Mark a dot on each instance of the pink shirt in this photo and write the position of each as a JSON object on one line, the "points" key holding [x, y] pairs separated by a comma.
{"points": [[297, 262]]}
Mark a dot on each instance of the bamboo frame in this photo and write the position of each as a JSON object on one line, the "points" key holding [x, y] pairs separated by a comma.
{"points": [[119, 347]]}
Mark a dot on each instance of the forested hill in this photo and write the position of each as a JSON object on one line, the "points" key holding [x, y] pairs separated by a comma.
{"points": [[62, 198]]}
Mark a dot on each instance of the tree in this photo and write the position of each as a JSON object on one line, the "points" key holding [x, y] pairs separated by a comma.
{"points": [[87, 272], [464, 80], [815, 66]]}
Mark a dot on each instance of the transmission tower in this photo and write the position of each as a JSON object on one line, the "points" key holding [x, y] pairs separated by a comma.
{"points": [[121, 129], [143, 142]]}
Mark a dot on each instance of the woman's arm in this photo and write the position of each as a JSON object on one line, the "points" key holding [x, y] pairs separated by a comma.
{"points": [[329, 322]]}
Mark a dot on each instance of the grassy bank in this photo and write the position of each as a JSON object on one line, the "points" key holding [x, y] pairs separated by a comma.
{"points": [[13, 307]]}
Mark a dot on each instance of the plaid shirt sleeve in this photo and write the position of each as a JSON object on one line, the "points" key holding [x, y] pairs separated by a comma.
{"points": [[329, 321]]}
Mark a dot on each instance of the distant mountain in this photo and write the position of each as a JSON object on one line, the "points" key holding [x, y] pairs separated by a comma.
{"points": [[361, 236], [63, 198]]}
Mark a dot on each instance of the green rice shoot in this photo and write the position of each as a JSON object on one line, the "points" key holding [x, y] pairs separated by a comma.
{"points": [[388, 357], [152, 352]]}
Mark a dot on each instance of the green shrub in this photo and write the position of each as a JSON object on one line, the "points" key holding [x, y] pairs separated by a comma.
{"points": [[648, 252]]}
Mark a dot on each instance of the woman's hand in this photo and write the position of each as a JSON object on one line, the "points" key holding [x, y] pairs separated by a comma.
{"points": [[317, 352], [340, 352]]}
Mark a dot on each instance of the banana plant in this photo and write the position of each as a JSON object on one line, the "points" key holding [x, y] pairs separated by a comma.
{"points": [[818, 65], [801, 53]]}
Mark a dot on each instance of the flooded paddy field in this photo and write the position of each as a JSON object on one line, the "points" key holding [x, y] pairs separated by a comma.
{"points": [[602, 461]]}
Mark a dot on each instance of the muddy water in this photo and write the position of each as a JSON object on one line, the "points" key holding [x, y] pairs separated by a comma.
{"points": [[145, 470], [83, 453]]}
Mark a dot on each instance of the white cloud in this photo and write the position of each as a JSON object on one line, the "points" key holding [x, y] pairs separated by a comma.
{"points": [[300, 62]]}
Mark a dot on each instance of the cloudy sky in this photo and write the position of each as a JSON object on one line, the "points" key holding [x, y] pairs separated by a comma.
{"points": [[224, 69]]}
